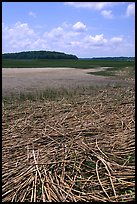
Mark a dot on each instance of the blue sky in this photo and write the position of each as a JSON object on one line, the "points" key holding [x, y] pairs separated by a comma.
{"points": [[85, 29]]}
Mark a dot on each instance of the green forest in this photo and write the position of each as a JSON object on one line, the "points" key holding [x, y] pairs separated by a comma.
{"points": [[38, 55]]}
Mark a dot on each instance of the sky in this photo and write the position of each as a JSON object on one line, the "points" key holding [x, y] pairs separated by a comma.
{"points": [[84, 29]]}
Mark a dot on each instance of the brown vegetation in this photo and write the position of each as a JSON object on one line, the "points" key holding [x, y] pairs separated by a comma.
{"points": [[74, 149]]}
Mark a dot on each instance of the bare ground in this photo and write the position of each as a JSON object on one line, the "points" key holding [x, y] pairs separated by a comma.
{"points": [[32, 79]]}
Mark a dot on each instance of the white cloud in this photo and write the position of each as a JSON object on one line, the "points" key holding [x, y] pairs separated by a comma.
{"points": [[95, 40], [32, 14], [21, 37], [75, 43], [116, 39], [18, 31], [54, 33], [40, 44], [92, 5], [79, 26], [131, 10], [107, 14], [23, 29], [60, 34], [66, 25], [18, 37]]}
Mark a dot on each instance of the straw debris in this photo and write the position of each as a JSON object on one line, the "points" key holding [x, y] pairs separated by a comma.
{"points": [[70, 150]]}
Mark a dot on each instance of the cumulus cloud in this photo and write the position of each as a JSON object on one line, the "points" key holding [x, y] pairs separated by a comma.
{"points": [[39, 44], [107, 14], [92, 5], [54, 33], [96, 40], [116, 39], [19, 32], [79, 26], [21, 37], [32, 14], [59, 34], [130, 10], [22, 29]]}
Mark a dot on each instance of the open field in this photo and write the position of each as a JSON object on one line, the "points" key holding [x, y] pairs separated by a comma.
{"points": [[72, 141], [35, 79]]}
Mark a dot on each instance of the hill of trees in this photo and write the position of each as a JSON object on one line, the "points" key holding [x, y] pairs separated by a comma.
{"points": [[38, 55]]}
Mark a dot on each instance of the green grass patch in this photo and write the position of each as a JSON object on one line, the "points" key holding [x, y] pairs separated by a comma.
{"points": [[102, 73], [84, 64], [121, 71]]}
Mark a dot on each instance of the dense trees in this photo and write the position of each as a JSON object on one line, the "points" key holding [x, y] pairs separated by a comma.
{"points": [[38, 55], [57, 55]]}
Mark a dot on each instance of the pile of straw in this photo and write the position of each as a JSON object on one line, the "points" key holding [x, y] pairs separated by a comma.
{"points": [[79, 149]]}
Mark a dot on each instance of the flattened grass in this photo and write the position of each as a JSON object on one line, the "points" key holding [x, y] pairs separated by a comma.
{"points": [[76, 148]]}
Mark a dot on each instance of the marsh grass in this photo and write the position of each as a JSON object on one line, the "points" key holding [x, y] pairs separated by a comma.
{"points": [[123, 72], [83, 64], [51, 94]]}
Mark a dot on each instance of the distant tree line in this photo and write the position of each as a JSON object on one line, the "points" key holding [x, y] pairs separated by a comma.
{"points": [[114, 58], [38, 55]]}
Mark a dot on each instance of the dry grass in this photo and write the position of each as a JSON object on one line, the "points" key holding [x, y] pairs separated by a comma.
{"points": [[78, 149]]}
